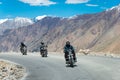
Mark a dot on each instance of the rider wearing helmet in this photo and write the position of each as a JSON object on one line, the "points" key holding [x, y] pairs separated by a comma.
{"points": [[66, 48], [43, 47], [22, 46]]}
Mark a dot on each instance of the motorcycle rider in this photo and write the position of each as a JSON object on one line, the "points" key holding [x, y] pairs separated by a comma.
{"points": [[43, 47], [66, 49], [22, 46]]}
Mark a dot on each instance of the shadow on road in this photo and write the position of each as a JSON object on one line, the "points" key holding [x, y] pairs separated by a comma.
{"points": [[68, 66]]}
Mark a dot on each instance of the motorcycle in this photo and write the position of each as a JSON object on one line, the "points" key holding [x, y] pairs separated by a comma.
{"points": [[71, 61], [43, 51], [24, 50]]}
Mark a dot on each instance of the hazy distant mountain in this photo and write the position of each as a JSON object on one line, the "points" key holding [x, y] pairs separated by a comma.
{"points": [[98, 32], [14, 23]]}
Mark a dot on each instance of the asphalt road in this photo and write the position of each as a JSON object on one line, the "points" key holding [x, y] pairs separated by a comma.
{"points": [[54, 68]]}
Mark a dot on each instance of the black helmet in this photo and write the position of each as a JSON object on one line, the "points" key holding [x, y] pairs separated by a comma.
{"points": [[68, 43], [42, 42], [22, 44]]}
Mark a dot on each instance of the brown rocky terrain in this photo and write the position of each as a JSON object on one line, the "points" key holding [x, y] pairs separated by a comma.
{"points": [[10, 71], [97, 32]]}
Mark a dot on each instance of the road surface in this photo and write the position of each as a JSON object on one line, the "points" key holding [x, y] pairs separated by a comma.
{"points": [[54, 68]]}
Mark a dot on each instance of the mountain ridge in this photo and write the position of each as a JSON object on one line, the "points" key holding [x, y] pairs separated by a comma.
{"points": [[97, 32], [14, 23]]}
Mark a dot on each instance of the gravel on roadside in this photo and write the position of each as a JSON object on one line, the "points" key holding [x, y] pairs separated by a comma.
{"points": [[11, 71]]}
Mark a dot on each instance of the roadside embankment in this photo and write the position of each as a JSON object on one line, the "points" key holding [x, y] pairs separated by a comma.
{"points": [[11, 71]]}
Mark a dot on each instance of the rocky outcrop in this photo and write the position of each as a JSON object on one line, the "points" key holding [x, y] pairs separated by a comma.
{"points": [[10, 71]]}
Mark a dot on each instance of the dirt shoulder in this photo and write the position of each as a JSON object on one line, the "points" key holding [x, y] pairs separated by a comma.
{"points": [[11, 71]]}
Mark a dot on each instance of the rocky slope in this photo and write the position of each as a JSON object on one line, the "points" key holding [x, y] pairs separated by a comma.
{"points": [[98, 32], [10, 71]]}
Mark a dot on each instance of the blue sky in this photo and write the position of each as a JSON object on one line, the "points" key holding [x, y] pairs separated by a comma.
{"points": [[61, 8]]}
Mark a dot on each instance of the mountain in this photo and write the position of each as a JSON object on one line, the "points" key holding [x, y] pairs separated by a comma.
{"points": [[109, 42], [117, 8], [3, 20], [97, 32], [40, 17], [14, 23]]}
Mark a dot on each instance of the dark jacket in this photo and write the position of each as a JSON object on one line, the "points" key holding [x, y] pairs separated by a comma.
{"points": [[42, 47], [22, 45], [66, 48]]}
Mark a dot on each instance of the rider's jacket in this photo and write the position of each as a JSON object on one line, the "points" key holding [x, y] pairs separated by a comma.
{"points": [[66, 48], [43, 47], [22, 46]]}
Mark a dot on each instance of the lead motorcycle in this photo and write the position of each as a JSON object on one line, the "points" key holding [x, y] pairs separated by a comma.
{"points": [[71, 61]]}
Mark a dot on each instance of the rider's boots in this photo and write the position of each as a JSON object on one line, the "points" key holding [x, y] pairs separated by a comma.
{"points": [[75, 59], [66, 61]]}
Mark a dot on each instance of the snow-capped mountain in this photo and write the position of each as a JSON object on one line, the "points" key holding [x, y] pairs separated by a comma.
{"points": [[3, 20], [23, 20], [40, 17], [114, 8], [97, 32], [72, 17], [45, 16], [14, 23]]}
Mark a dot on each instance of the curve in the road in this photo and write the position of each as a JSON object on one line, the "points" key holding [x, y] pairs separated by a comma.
{"points": [[54, 68]]}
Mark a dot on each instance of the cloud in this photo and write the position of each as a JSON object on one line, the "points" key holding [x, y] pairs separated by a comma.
{"points": [[92, 5], [38, 2], [76, 1], [0, 2]]}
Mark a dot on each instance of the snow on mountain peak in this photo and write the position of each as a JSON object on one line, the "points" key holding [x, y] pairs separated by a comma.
{"points": [[40, 17], [72, 17], [21, 19], [14, 23], [115, 7], [3, 20]]}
